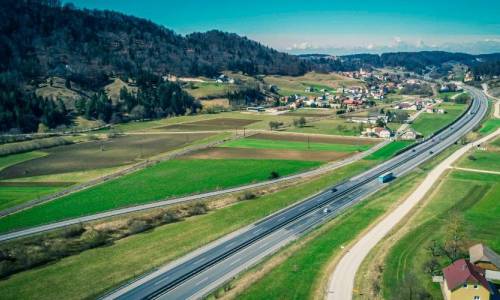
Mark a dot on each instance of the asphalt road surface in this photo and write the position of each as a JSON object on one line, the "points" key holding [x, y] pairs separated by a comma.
{"points": [[198, 273]]}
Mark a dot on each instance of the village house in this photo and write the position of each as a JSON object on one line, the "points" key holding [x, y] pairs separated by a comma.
{"points": [[410, 135], [351, 103], [462, 280], [370, 119], [224, 79], [377, 132]]}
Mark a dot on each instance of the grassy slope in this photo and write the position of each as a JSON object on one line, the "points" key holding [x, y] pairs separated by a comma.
{"points": [[167, 179], [95, 271], [388, 150], [210, 89], [305, 269], [429, 123], [292, 145], [471, 195], [10, 160]]}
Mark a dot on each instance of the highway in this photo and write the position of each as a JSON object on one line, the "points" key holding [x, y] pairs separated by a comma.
{"points": [[198, 273]]}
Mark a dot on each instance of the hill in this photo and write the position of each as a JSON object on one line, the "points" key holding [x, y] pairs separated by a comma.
{"points": [[43, 38]]}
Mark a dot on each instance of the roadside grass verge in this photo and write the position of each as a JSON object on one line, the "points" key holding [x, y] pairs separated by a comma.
{"points": [[165, 180], [293, 145], [98, 270], [489, 126], [388, 150], [304, 273], [426, 123], [464, 198]]}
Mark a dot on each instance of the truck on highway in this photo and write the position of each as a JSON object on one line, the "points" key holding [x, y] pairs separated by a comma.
{"points": [[386, 177]]}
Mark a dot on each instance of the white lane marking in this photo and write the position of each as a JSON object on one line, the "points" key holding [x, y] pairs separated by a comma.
{"points": [[199, 261], [201, 281], [263, 245], [258, 230], [162, 280], [302, 208], [230, 245], [235, 262], [281, 219]]}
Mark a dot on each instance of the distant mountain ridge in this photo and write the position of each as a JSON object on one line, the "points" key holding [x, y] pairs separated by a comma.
{"points": [[412, 61]]}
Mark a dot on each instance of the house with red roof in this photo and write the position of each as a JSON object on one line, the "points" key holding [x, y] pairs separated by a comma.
{"points": [[464, 281]]}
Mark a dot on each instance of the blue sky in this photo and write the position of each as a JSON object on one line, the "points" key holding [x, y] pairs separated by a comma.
{"points": [[331, 26]]}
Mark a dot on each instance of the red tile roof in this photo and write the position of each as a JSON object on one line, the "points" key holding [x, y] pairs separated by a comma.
{"points": [[462, 271]]}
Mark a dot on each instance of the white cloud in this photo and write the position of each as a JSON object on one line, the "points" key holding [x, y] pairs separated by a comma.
{"points": [[301, 46]]}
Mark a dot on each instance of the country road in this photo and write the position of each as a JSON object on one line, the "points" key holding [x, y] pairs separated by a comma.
{"points": [[198, 273], [342, 281]]}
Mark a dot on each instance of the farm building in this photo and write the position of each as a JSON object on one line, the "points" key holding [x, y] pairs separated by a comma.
{"points": [[463, 280], [482, 256]]}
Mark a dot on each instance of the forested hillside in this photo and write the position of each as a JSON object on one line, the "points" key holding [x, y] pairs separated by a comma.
{"points": [[40, 38]]}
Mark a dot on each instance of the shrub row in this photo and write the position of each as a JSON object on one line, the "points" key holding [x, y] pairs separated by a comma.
{"points": [[20, 255], [31, 145]]}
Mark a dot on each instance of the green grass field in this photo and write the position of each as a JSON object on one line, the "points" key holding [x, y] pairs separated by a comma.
{"points": [[292, 145], [99, 270], [426, 123], [306, 269], [484, 160], [490, 126], [442, 95], [388, 150], [466, 196], [15, 195], [167, 179], [10, 160], [289, 85], [330, 126], [210, 89]]}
